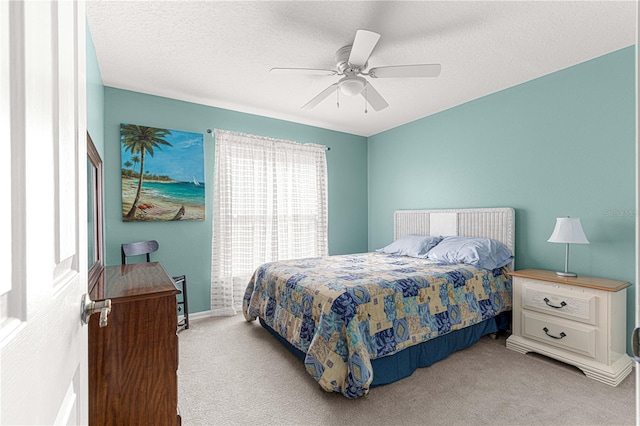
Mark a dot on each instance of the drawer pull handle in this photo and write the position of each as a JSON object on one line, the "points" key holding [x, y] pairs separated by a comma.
{"points": [[562, 304], [546, 331]]}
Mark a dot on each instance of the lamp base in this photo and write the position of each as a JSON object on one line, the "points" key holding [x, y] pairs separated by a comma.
{"points": [[567, 274]]}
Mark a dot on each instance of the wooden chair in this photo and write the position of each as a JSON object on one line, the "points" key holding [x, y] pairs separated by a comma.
{"points": [[146, 248]]}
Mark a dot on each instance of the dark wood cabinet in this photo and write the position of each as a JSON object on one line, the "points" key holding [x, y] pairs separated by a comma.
{"points": [[133, 361]]}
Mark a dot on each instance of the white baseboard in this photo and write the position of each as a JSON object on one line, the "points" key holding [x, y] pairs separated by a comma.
{"points": [[196, 315]]}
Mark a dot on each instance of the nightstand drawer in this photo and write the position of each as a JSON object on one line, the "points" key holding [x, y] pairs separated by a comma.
{"points": [[572, 336], [565, 302]]}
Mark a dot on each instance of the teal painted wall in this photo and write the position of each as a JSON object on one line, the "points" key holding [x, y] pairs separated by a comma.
{"points": [[560, 145], [185, 247], [95, 97]]}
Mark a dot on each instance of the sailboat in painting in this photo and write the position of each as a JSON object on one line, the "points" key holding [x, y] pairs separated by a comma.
{"points": [[195, 181]]}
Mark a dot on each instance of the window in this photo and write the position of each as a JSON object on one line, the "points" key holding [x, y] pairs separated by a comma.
{"points": [[270, 203]]}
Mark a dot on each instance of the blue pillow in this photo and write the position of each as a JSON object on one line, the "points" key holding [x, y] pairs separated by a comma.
{"points": [[481, 252], [411, 245]]}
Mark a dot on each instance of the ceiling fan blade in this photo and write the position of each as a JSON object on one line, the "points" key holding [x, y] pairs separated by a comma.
{"points": [[422, 70], [374, 98], [321, 96], [309, 71], [363, 45]]}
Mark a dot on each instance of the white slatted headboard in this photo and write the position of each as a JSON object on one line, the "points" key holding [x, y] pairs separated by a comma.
{"points": [[495, 223]]}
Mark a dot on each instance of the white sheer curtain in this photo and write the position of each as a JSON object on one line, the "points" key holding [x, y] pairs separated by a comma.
{"points": [[269, 203]]}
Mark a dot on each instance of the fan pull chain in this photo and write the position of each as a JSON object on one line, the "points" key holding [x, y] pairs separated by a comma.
{"points": [[365, 99], [338, 98]]}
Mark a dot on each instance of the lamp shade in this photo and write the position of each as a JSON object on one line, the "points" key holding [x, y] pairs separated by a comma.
{"points": [[568, 230]]}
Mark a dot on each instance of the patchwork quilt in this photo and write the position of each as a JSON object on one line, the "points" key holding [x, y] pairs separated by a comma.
{"points": [[344, 311]]}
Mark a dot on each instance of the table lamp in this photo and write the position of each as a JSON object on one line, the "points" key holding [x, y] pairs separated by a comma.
{"points": [[568, 230]]}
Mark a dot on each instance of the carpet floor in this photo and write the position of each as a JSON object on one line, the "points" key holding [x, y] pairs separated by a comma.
{"points": [[233, 372]]}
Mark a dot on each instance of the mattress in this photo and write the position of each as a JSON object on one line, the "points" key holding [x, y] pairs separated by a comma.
{"points": [[347, 313]]}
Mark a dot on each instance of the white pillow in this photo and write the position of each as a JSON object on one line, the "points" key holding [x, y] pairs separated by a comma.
{"points": [[411, 245]]}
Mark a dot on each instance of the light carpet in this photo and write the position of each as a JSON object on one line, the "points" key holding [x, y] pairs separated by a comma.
{"points": [[235, 373]]}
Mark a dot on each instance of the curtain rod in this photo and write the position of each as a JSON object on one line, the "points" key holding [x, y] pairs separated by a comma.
{"points": [[211, 133]]}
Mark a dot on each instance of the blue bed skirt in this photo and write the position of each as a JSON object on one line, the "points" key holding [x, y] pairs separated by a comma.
{"points": [[392, 368]]}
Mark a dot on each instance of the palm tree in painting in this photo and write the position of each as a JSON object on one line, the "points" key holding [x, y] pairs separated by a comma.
{"points": [[140, 140], [135, 159]]}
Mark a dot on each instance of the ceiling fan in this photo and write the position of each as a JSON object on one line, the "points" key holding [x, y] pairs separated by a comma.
{"points": [[351, 63]]}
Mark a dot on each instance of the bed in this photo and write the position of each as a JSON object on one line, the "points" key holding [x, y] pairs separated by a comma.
{"points": [[364, 320]]}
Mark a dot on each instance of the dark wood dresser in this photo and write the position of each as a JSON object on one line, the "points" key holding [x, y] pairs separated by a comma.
{"points": [[133, 361]]}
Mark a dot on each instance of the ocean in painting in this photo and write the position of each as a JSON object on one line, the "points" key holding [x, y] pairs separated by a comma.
{"points": [[177, 192]]}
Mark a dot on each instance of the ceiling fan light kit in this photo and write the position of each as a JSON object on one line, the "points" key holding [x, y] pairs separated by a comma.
{"points": [[352, 86], [351, 62]]}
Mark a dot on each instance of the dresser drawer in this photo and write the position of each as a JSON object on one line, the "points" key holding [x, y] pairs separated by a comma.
{"points": [[565, 302], [569, 335]]}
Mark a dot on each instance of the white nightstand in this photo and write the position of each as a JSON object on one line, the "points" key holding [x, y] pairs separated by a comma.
{"points": [[578, 320]]}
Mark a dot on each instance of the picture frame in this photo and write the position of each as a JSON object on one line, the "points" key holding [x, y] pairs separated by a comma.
{"points": [[162, 174]]}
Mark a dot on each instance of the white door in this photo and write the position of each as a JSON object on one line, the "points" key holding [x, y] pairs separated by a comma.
{"points": [[43, 211]]}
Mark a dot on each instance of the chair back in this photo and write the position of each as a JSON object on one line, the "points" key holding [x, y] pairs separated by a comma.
{"points": [[137, 249]]}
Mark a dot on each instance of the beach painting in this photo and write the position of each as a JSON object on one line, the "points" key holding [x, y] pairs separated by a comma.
{"points": [[162, 174]]}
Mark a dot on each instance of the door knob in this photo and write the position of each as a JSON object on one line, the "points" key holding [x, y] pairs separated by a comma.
{"points": [[89, 307]]}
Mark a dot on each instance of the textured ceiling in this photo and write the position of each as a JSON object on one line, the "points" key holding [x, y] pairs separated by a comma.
{"points": [[219, 53]]}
